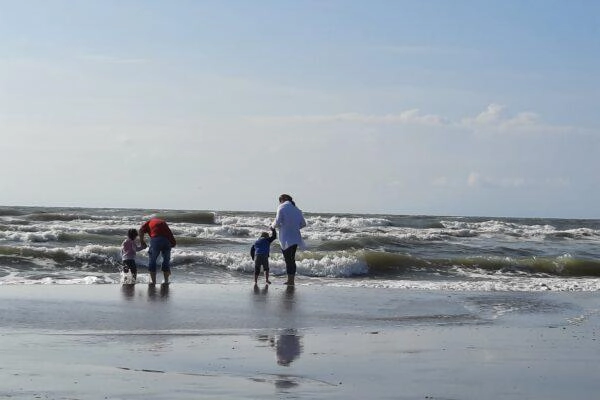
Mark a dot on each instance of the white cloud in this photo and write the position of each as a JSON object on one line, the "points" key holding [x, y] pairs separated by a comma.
{"points": [[473, 179], [408, 117], [441, 181], [558, 182], [476, 179], [421, 50], [491, 115], [395, 183], [493, 120], [124, 140], [106, 59]]}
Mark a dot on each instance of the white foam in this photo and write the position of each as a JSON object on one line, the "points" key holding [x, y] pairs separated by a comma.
{"points": [[505, 285], [16, 279], [338, 223], [31, 237], [495, 227]]}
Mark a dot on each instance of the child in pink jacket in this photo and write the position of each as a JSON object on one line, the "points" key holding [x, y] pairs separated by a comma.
{"points": [[128, 250]]}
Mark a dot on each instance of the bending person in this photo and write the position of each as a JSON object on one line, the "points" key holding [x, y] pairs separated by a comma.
{"points": [[161, 242], [289, 220]]}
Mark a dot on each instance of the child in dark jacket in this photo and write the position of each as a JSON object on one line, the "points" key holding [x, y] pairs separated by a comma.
{"points": [[260, 254]]}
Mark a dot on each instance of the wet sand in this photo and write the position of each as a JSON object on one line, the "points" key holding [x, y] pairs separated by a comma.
{"points": [[237, 341]]}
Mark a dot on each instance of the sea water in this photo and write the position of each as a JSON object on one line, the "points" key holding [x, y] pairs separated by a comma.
{"points": [[82, 246]]}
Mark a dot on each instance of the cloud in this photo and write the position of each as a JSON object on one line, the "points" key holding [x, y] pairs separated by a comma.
{"points": [[421, 50], [441, 181], [408, 117], [557, 182], [475, 179], [106, 59], [124, 140], [494, 119], [491, 115]]}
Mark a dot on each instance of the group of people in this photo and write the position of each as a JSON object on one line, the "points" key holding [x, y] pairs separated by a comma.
{"points": [[289, 220]]}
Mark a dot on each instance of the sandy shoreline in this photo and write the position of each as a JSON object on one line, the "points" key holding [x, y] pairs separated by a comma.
{"points": [[216, 341]]}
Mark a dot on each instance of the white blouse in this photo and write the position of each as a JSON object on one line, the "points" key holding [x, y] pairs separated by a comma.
{"points": [[289, 220]]}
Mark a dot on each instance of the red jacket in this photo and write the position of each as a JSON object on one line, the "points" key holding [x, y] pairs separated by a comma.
{"points": [[157, 227]]}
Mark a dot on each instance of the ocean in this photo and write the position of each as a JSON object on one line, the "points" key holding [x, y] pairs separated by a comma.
{"points": [[40, 245]]}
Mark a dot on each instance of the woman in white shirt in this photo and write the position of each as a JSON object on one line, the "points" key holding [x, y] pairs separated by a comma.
{"points": [[289, 220]]}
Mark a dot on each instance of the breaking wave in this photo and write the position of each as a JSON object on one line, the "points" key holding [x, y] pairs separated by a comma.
{"points": [[48, 245]]}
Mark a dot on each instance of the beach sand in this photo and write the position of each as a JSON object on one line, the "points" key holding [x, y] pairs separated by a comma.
{"points": [[236, 341]]}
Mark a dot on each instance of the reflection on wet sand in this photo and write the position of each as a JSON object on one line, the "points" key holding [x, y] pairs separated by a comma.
{"points": [[260, 298], [128, 291], [259, 291], [287, 344], [288, 347], [285, 383], [160, 294], [288, 298]]}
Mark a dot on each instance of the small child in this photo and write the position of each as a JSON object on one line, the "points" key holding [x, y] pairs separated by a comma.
{"points": [[128, 251], [260, 254]]}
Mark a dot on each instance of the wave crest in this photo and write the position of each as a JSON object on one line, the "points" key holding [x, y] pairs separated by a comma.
{"points": [[192, 217]]}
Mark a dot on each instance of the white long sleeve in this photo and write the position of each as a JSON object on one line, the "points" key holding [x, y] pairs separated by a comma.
{"points": [[289, 220]]}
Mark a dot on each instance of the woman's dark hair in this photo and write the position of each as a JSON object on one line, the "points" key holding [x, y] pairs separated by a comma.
{"points": [[132, 233], [286, 197]]}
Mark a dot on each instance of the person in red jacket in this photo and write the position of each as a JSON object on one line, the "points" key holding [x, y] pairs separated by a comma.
{"points": [[161, 242]]}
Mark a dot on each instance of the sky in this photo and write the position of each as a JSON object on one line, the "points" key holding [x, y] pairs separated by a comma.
{"points": [[474, 108]]}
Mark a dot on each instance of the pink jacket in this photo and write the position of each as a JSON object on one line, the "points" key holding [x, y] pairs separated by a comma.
{"points": [[128, 249]]}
